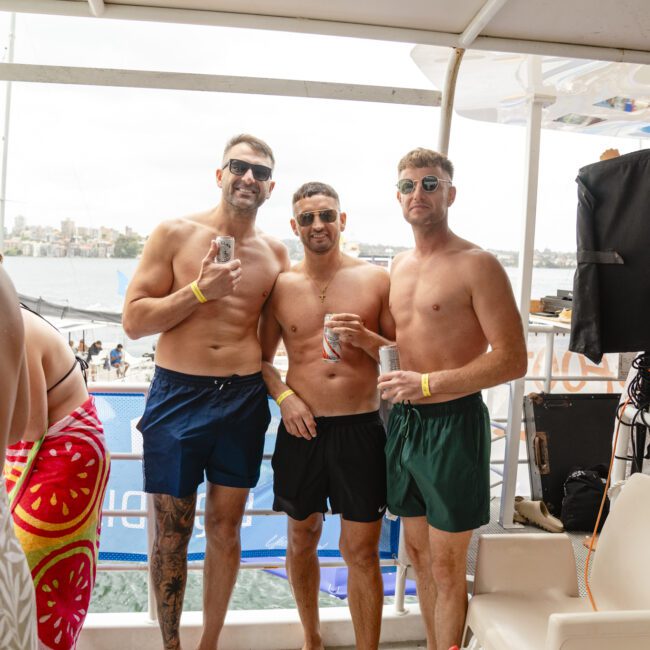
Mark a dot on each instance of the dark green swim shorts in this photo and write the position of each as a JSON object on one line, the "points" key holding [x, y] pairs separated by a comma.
{"points": [[438, 463]]}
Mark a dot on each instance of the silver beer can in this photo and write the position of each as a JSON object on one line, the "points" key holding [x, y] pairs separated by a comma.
{"points": [[388, 358], [331, 343], [226, 249]]}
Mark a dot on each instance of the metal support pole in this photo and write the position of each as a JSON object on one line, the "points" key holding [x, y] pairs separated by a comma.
{"points": [[400, 579], [548, 361], [447, 103], [513, 430], [151, 599], [5, 139]]}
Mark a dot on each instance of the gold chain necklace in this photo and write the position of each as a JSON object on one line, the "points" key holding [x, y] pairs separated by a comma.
{"points": [[323, 292]]}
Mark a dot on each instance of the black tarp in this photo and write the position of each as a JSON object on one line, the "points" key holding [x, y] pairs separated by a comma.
{"points": [[46, 308], [611, 288]]}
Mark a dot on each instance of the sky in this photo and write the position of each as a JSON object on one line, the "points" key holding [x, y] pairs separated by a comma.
{"points": [[129, 157]]}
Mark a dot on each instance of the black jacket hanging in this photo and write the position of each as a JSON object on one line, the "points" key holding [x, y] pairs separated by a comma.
{"points": [[611, 288]]}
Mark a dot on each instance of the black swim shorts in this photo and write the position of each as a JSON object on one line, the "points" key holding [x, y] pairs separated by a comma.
{"points": [[195, 425], [345, 463]]}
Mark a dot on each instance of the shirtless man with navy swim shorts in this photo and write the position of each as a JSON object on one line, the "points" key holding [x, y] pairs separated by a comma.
{"points": [[458, 332], [207, 409], [330, 443]]}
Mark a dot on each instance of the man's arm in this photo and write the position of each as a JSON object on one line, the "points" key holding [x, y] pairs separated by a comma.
{"points": [[150, 308], [496, 311], [351, 328], [296, 415]]}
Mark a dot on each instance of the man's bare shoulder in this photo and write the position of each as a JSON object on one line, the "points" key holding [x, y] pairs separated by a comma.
{"points": [[478, 266], [179, 227], [292, 276], [476, 256], [373, 272], [277, 248], [399, 259]]}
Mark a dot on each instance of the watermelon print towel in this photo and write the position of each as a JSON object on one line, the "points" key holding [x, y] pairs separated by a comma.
{"points": [[56, 488]]}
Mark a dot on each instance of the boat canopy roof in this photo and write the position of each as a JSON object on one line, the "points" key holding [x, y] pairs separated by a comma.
{"points": [[610, 31], [597, 97]]}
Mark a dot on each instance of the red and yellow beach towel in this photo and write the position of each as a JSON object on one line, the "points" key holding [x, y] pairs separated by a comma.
{"points": [[56, 488]]}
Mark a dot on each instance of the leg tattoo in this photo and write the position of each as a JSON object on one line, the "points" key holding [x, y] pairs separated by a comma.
{"points": [[174, 525]]}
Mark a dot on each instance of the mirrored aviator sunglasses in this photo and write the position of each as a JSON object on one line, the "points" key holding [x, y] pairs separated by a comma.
{"points": [[240, 167], [307, 218], [429, 184]]}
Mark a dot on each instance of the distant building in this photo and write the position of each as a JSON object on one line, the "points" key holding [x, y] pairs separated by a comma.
{"points": [[20, 223], [68, 229]]}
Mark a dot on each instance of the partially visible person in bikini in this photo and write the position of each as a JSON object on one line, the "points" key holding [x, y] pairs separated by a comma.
{"points": [[17, 606], [56, 476]]}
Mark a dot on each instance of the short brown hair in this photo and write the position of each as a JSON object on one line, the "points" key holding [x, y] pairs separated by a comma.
{"points": [[314, 188], [421, 157], [255, 143]]}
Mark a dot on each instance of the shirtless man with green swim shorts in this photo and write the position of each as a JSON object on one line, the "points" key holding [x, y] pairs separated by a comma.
{"points": [[452, 302]]}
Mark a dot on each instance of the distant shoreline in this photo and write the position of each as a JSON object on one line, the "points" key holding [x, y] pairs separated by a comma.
{"points": [[545, 259]]}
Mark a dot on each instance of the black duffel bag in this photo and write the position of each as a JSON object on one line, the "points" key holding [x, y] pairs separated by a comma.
{"points": [[583, 493]]}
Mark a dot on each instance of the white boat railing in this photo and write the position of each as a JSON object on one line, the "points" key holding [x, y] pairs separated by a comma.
{"points": [[142, 388], [400, 561]]}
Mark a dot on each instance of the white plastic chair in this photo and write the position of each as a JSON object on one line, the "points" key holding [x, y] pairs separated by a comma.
{"points": [[526, 588]]}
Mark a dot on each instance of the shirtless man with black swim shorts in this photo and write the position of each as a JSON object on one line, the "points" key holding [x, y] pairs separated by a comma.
{"points": [[330, 443], [458, 332], [207, 410]]}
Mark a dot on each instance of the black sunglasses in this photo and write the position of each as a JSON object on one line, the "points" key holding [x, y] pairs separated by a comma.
{"points": [[429, 184], [240, 167], [307, 218]]}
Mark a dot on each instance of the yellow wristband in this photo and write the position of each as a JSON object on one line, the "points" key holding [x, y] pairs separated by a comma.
{"points": [[197, 292], [425, 385], [282, 396]]}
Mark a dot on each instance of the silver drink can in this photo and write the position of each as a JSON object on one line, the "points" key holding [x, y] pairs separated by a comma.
{"points": [[388, 358], [226, 249], [331, 343]]}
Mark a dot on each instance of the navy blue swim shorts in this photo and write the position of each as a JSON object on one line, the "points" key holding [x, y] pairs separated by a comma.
{"points": [[195, 425]]}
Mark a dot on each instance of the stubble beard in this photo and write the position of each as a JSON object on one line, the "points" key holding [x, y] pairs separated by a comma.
{"points": [[320, 247], [429, 221], [244, 206]]}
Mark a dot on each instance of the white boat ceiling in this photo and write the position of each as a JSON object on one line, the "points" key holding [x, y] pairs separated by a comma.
{"points": [[610, 30]]}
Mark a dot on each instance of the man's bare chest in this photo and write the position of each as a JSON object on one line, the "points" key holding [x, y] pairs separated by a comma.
{"points": [[301, 308], [438, 293], [259, 270]]}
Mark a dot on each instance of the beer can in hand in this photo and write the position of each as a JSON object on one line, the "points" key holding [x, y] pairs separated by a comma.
{"points": [[388, 358], [226, 249], [331, 343]]}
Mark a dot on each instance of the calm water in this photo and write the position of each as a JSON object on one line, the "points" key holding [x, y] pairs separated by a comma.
{"points": [[93, 284]]}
